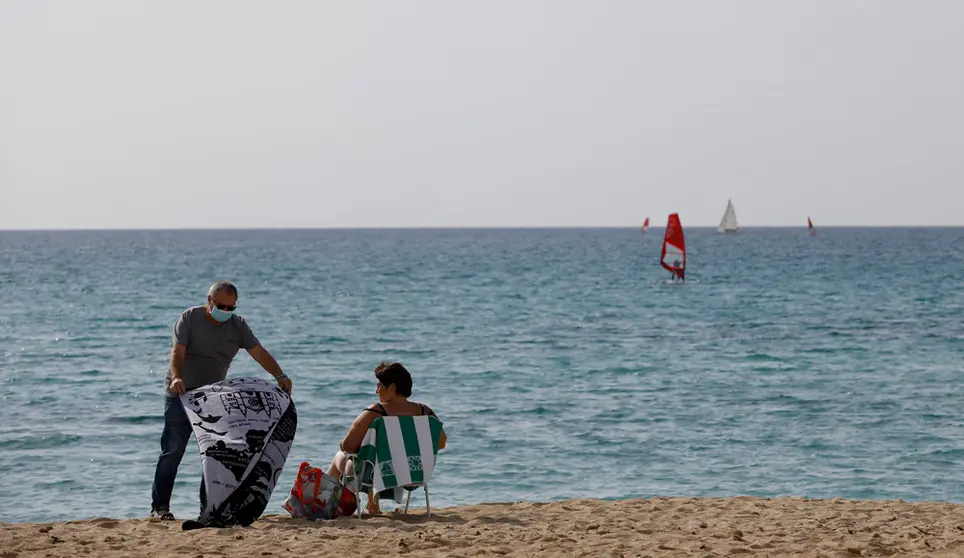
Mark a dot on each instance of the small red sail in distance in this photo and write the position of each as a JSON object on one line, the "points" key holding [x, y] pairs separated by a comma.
{"points": [[646, 224], [809, 224], [673, 257]]}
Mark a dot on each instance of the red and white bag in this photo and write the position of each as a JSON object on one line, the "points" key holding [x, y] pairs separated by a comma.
{"points": [[316, 495]]}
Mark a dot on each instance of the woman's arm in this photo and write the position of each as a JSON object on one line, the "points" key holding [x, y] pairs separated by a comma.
{"points": [[356, 433], [442, 437]]}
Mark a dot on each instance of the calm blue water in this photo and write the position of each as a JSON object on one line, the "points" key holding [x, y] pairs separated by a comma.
{"points": [[561, 362]]}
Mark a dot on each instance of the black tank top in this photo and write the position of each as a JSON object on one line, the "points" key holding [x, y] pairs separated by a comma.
{"points": [[381, 410]]}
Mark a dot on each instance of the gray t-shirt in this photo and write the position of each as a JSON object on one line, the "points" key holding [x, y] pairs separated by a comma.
{"points": [[210, 347]]}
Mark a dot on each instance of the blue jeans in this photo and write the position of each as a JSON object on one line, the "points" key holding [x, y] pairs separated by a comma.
{"points": [[177, 432]]}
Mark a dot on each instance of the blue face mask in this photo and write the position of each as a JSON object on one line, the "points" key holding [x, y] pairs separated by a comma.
{"points": [[219, 315]]}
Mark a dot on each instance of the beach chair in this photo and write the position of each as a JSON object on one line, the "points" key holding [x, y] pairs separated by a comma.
{"points": [[397, 454]]}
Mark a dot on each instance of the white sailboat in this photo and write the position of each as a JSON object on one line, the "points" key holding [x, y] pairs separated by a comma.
{"points": [[728, 223]]}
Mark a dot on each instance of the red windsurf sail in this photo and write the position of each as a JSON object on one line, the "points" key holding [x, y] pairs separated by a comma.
{"points": [[646, 224], [673, 256], [809, 224]]}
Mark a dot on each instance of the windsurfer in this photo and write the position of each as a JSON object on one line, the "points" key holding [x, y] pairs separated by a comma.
{"points": [[674, 249]]}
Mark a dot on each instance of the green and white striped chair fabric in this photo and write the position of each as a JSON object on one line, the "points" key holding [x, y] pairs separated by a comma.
{"points": [[398, 453]]}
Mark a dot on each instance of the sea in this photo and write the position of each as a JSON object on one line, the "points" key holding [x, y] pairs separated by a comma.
{"points": [[563, 362]]}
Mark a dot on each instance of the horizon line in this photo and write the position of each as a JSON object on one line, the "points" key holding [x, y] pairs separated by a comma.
{"points": [[460, 227]]}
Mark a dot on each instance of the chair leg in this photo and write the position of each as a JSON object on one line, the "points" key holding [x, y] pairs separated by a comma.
{"points": [[358, 505], [428, 509], [407, 500]]}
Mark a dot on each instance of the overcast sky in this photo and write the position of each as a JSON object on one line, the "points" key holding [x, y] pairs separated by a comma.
{"points": [[130, 114]]}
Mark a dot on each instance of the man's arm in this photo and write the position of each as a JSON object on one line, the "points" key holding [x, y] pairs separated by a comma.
{"points": [[177, 359], [264, 358]]}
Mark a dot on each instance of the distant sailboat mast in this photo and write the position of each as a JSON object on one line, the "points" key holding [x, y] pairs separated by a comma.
{"points": [[728, 223]]}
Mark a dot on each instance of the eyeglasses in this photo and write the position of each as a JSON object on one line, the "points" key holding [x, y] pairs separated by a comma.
{"points": [[225, 307]]}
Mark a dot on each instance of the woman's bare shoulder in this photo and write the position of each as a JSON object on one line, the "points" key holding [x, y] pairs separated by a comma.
{"points": [[376, 408], [426, 410]]}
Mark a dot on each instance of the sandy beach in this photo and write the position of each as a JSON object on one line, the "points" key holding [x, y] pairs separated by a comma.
{"points": [[651, 527]]}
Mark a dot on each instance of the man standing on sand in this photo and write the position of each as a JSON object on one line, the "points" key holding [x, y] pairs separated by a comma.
{"points": [[206, 339]]}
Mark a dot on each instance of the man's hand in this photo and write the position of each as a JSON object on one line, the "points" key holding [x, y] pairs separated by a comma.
{"points": [[177, 386], [177, 359], [284, 382]]}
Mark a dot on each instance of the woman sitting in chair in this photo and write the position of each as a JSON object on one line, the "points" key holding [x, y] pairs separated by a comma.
{"points": [[394, 387]]}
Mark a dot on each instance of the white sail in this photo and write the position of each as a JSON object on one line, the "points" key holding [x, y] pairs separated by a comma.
{"points": [[728, 223]]}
